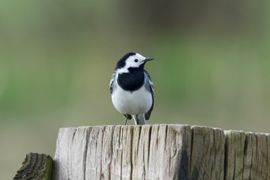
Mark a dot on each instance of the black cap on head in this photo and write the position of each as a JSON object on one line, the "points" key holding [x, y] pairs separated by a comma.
{"points": [[122, 62]]}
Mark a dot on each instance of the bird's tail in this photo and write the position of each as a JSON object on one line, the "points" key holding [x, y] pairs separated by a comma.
{"points": [[139, 119]]}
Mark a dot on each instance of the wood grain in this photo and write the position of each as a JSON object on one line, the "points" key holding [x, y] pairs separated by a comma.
{"points": [[163, 152], [35, 166]]}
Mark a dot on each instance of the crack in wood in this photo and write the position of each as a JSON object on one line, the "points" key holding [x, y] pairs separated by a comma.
{"points": [[177, 152]]}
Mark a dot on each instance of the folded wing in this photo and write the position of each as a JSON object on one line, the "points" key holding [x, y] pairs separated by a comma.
{"points": [[149, 85]]}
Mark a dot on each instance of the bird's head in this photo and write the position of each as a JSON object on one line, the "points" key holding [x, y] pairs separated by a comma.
{"points": [[131, 60]]}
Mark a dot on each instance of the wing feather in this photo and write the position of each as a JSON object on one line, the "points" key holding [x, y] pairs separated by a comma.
{"points": [[150, 87], [112, 82]]}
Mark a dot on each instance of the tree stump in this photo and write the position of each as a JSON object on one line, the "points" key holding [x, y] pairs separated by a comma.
{"points": [[35, 167], [165, 152]]}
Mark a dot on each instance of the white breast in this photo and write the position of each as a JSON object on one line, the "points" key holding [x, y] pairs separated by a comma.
{"points": [[136, 102]]}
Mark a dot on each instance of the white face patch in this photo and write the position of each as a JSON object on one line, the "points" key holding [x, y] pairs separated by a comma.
{"points": [[133, 61]]}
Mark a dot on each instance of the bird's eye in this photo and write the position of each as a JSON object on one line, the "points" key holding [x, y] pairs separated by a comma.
{"points": [[136, 60]]}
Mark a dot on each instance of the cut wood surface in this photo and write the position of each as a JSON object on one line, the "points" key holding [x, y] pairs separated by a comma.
{"points": [[161, 152]]}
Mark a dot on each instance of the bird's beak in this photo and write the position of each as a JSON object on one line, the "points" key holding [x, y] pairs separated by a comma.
{"points": [[148, 59]]}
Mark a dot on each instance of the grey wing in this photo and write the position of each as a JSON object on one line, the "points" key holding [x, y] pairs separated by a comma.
{"points": [[112, 83], [149, 85]]}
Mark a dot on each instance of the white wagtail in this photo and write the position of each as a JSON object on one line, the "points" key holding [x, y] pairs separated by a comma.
{"points": [[132, 89]]}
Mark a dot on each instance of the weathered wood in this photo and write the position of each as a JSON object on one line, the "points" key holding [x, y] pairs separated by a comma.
{"points": [[161, 152], [207, 156], [35, 166]]}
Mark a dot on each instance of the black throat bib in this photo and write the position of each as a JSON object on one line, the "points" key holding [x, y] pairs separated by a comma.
{"points": [[131, 81]]}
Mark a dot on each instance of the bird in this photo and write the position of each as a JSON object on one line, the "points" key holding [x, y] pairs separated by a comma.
{"points": [[131, 88]]}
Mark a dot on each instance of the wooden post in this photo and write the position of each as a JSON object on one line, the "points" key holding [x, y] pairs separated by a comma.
{"points": [[35, 166], [162, 152]]}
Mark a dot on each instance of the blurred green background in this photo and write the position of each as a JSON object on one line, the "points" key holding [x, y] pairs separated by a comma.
{"points": [[56, 59]]}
